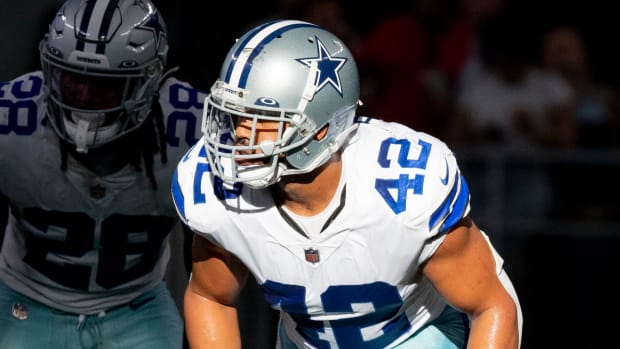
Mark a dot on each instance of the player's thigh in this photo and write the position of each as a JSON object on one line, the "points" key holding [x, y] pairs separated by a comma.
{"points": [[151, 321], [26, 324]]}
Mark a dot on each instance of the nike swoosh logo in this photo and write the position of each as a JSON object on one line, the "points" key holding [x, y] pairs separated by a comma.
{"points": [[444, 180]]}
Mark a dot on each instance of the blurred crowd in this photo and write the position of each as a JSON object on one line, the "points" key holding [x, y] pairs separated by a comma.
{"points": [[476, 74]]}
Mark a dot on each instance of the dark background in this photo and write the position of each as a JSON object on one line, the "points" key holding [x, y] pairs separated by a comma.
{"points": [[567, 282], [200, 32]]}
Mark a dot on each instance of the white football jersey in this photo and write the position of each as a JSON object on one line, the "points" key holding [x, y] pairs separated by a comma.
{"points": [[358, 283], [76, 241]]}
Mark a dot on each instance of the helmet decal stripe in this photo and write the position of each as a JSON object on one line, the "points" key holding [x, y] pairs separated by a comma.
{"points": [[239, 70], [80, 32], [243, 43], [105, 25], [96, 18]]}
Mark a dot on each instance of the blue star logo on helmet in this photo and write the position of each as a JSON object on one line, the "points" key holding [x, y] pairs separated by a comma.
{"points": [[328, 67], [155, 25]]}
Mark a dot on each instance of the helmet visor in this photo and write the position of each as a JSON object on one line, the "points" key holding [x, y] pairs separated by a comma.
{"points": [[87, 92]]}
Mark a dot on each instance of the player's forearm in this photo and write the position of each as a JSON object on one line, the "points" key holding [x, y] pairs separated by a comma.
{"points": [[494, 330], [209, 324]]}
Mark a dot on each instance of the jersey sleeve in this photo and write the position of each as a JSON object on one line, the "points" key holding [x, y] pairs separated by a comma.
{"points": [[193, 195], [182, 106], [445, 199], [22, 109], [453, 202], [183, 186]]}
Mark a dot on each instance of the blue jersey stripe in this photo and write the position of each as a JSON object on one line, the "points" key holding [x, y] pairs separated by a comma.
{"points": [[451, 210], [443, 210], [460, 205], [177, 196]]}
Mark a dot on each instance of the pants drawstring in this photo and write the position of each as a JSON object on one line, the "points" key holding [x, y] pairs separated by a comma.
{"points": [[89, 327]]}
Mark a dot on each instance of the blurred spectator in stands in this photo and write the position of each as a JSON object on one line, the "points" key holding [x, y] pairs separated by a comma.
{"points": [[282, 9], [476, 13], [406, 62], [564, 51], [518, 107], [330, 15], [514, 103], [412, 61]]}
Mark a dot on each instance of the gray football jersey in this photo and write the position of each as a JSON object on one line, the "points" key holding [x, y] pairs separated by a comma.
{"points": [[76, 241]]}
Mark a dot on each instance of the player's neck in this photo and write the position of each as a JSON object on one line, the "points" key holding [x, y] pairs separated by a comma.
{"points": [[307, 198]]}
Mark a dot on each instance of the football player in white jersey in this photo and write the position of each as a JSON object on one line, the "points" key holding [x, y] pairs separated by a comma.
{"points": [[357, 230], [88, 147]]}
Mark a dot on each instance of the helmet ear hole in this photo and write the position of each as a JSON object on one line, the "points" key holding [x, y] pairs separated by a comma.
{"points": [[154, 70], [322, 133]]}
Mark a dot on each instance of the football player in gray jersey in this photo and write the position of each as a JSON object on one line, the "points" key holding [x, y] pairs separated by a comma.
{"points": [[357, 230], [88, 146]]}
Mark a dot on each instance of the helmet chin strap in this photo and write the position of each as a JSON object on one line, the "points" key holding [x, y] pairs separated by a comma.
{"points": [[310, 86], [80, 137], [84, 135]]}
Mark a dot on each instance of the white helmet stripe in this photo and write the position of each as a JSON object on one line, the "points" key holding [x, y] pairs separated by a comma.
{"points": [[96, 19], [241, 64], [97, 16]]}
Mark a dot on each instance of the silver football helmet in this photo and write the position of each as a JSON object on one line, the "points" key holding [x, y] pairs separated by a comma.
{"points": [[290, 72], [102, 62]]}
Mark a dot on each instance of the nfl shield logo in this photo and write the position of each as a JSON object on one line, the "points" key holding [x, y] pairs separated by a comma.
{"points": [[97, 191], [20, 311], [312, 255]]}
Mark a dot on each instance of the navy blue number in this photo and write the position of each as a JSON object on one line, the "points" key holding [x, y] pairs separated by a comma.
{"points": [[71, 235], [222, 193], [183, 98], [403, 183], [123, 236], [384, 298], [199, 196], [218, 186], [76, 240], [25, 106]]}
